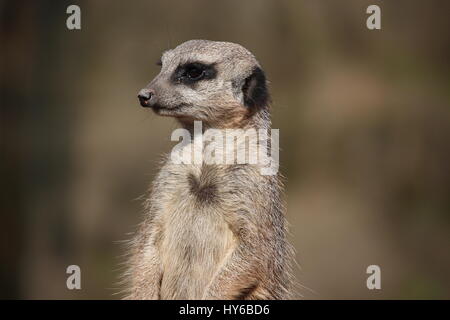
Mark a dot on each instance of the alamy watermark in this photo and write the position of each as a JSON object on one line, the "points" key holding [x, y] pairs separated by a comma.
{"points": [[373, 22], [74, 280], [227, 146], [374, 280], [73, 21]]}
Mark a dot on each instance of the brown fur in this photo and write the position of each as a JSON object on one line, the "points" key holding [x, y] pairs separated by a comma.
{"points": [[212, 231]]}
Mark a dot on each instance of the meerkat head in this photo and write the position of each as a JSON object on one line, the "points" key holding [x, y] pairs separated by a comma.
{"points": [[214, 82]]}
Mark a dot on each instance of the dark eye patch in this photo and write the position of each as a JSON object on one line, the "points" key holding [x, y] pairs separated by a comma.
{"points": [[159, 63], [190, 73]]}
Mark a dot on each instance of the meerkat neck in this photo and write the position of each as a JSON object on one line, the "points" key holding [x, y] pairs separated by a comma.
{"points": [[256, 120]]}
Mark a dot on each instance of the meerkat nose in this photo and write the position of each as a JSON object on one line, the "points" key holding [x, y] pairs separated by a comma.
{"points": [[144, 96]]}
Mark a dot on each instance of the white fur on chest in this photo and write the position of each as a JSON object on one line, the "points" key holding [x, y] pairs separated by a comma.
{"points": [[195, 236]]}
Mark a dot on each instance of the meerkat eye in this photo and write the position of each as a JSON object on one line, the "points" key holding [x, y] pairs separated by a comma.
{"points": [[159, 63], [194, 72]]}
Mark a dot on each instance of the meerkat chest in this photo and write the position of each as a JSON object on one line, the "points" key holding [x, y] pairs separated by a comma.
{"points": [[195, 234]]}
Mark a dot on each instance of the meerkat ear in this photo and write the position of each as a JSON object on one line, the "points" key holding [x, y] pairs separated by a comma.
{"points": [[255, 89]]}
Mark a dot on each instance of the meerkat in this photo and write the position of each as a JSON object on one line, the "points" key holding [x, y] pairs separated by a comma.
{"points": [[211, 231]]}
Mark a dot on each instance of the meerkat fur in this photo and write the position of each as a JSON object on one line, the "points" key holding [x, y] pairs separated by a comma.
{"points": [[211, 231]]}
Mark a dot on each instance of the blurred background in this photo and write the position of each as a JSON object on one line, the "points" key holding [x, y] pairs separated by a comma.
{"points": [[364, 119]]}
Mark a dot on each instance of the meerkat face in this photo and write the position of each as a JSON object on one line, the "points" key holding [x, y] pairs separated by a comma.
{"points": [[207, 81]]}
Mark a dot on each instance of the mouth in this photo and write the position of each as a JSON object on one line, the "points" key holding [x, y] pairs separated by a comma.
{"points": [[143, 103], [162, 111]]}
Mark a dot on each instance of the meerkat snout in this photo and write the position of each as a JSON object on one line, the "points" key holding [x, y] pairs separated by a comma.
{"points": [[147, 98], [207, 81]]}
